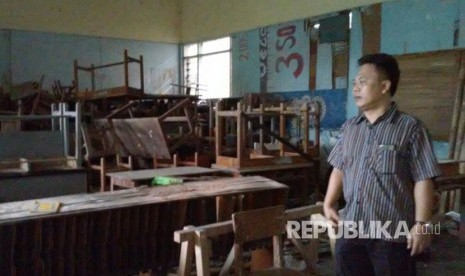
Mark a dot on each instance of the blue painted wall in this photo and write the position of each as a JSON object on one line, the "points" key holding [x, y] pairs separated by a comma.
{"points": [[413, 26], [407, 26], [29, 55], [245, 63]]}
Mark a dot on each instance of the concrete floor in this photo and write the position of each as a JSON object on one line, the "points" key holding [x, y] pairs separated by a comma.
{"points": [[446, 256]]}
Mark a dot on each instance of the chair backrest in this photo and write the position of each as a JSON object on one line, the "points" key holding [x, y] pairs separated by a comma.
{"points": [[255, 225]]}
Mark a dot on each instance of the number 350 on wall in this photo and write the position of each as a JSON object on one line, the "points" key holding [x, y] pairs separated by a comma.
{"points": [[287, 57]]}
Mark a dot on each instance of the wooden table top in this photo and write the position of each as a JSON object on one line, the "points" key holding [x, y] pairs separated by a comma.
{"points": [[172, 171], [267, 168], [80, 203]]}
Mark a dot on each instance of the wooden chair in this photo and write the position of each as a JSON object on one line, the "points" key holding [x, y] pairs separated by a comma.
{"points": [[175, 162], [102, 152], [256, 225]]}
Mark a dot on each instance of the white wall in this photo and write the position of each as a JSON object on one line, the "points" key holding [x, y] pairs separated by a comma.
{"points": [[154, 20], [205, 19], [160, 20]]}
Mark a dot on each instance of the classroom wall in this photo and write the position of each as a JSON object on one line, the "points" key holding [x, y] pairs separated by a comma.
{"points": [[407, 26], [417, 26], [274, 58], [153, 20], [159, 20], [207, 19], [413, 26], [27, 55]]}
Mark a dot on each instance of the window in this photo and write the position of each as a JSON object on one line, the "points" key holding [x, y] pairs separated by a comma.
{"points": [[207, 68]]}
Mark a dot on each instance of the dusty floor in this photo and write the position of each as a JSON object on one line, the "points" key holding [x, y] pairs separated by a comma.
{"points": [[445, 257]]}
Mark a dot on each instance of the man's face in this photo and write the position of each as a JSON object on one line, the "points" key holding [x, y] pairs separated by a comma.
{"points": [[370, 88]]}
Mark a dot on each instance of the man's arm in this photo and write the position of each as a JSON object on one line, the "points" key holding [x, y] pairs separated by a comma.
{"points": [[423, 194], [333, 193]]}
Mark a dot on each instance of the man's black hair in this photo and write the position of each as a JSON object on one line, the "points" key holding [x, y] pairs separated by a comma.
{"points": [[385, 64]]}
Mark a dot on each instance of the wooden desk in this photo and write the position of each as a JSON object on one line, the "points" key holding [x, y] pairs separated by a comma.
{"points": [[301, 178], [131, 179], [120, 232]]}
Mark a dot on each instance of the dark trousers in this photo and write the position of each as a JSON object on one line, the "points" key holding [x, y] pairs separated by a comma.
{"points": [[373, 257]]}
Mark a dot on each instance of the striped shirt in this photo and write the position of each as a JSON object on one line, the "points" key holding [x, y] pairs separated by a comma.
{"points": [[380, 164]]}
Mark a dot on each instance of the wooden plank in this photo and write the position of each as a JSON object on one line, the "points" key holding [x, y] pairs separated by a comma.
{"points": [[186, 256], [176, 119], [457, 201], [457, 131], [428, 87], [109, 92], [312, 63], [138, 175], [202, 253], [226, 113], [225, 270], [262, 161], [371, 28], [248, 170]]}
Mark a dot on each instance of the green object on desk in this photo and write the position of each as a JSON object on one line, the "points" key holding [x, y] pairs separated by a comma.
{"points": [[166, 180]]}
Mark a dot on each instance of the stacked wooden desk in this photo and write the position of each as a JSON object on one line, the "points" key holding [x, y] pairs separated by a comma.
{"points": [[120, 232]]}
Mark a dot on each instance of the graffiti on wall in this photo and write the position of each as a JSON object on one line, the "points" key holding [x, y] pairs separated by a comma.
{"points": [[332, 103], [271, 59]]}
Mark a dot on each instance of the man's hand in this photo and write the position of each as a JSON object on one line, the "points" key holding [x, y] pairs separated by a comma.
{"points": [[331, 214], [419, 240], [333, 193]]}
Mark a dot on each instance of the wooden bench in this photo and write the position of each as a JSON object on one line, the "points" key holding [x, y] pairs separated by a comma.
{"points": [[196, 242]]}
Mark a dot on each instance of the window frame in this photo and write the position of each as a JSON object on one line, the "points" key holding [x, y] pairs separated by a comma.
{"points": [[195, 84]]}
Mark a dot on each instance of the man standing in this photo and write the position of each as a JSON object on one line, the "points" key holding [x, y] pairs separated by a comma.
{"points": [[383, 163]]}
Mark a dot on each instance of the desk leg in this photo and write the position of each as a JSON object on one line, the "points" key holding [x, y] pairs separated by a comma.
{"points": [[202, 253], [457, 200], [186, 256], [224, 207]]}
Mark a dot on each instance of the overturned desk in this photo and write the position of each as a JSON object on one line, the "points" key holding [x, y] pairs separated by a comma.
{"points": [[132, 179], [120, 232]]}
